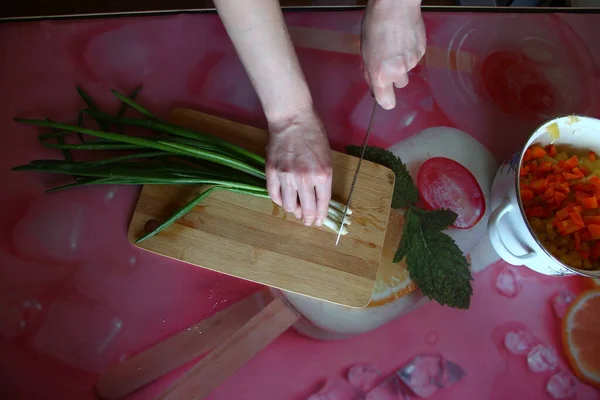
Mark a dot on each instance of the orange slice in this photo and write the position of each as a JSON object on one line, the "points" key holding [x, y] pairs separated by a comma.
{"points": [[581, 336], [393, 280]]}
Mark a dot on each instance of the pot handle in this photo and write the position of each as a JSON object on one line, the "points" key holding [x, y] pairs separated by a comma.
{"points": [[497, 242]]}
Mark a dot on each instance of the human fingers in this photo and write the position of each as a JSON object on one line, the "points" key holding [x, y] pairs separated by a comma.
{"points": [[323, 193], [289, 194], [306, 193], [273, 185]]}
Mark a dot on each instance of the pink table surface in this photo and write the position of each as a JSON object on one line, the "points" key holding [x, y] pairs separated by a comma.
{"points": [[76, 297]]}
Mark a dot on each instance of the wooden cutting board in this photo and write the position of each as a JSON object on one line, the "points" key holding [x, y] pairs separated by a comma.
{"points": [[254, 239]]}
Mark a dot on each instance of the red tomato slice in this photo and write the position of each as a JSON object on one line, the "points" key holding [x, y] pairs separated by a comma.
{"points": [[444, 183]]}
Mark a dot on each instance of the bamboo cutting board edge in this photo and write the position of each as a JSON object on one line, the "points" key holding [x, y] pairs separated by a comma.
{"points": [[359, 288]]}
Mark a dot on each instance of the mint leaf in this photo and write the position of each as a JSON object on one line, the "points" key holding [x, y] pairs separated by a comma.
{"points": [[437, 219], [405, 190], [435, 263]]}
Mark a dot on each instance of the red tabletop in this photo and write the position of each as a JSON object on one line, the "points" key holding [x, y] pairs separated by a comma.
{"points": [[75, 296]]}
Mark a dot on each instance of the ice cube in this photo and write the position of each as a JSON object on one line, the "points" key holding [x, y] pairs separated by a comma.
{"points": [[390, 389], [427, 373], [562, 385], [542, 358], [364, 376], [78, 332], [519, 342], [508, 281], [337, 390], [561, 301]]}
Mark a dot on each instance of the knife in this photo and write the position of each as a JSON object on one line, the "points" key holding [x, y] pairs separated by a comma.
{"points": [[362, 154]]}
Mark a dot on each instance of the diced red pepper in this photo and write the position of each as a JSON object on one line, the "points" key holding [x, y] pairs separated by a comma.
{"points": [[526, 194], [576, 217], [572, 162], [569, 176], [568, 227], [585, 236], [592, 219], [537, 152], [591, 203], [594, 231]]}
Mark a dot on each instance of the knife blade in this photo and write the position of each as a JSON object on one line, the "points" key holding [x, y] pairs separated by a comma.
{"points": [[362, 154]]}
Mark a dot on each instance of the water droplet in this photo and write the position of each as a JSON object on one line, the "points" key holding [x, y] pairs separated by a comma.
{"points": [[432, 338]]}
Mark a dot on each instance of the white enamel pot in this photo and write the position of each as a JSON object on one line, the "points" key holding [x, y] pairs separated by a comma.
{"points": [[509, 231]]}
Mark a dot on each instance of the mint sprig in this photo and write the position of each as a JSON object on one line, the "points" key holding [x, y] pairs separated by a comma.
{"points": [[435, 263]]}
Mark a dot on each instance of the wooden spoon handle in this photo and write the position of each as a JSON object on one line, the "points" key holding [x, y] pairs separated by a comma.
{"points": [[178, 349], [233, 352]]}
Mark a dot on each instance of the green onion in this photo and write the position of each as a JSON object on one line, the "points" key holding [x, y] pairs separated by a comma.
{"points": [[171, 155]]}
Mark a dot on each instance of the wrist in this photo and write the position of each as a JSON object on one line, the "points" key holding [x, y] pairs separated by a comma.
{"points": [[285, 102]]}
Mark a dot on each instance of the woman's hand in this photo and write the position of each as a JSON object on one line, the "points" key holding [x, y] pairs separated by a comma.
{"points": [[392, 43], [299, 166]]}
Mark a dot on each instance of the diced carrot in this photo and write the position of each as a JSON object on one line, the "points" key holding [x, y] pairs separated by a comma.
{"points": [[572, 162], [595, 251], [537, 152], [569, 176], [594, 180], [526, 194], [549, 193], [544, 167], [562, 214], [567, 227], [594, 230], [592, 156], [577, 241], [586, 187], [559, 197], [583, 170], [527, 155], [539, 185], [535, 211], [551, 150], [590, 203], [576, 217], [564, 187], [578, 172], [592, 219], [585, 236], [579, 195], [524, 170]]}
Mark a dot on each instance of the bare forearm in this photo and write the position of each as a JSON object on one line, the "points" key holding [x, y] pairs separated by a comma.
{"points": [[259, 34]]}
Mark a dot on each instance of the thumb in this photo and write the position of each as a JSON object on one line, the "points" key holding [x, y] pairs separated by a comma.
{"points": [[385, 96]]}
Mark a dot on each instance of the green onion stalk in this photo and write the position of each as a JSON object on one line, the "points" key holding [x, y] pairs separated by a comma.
{"points": [[165, 154]]}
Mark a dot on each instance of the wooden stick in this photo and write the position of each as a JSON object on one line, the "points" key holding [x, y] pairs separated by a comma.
{"points": [[178, 349], [233, 352]]}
